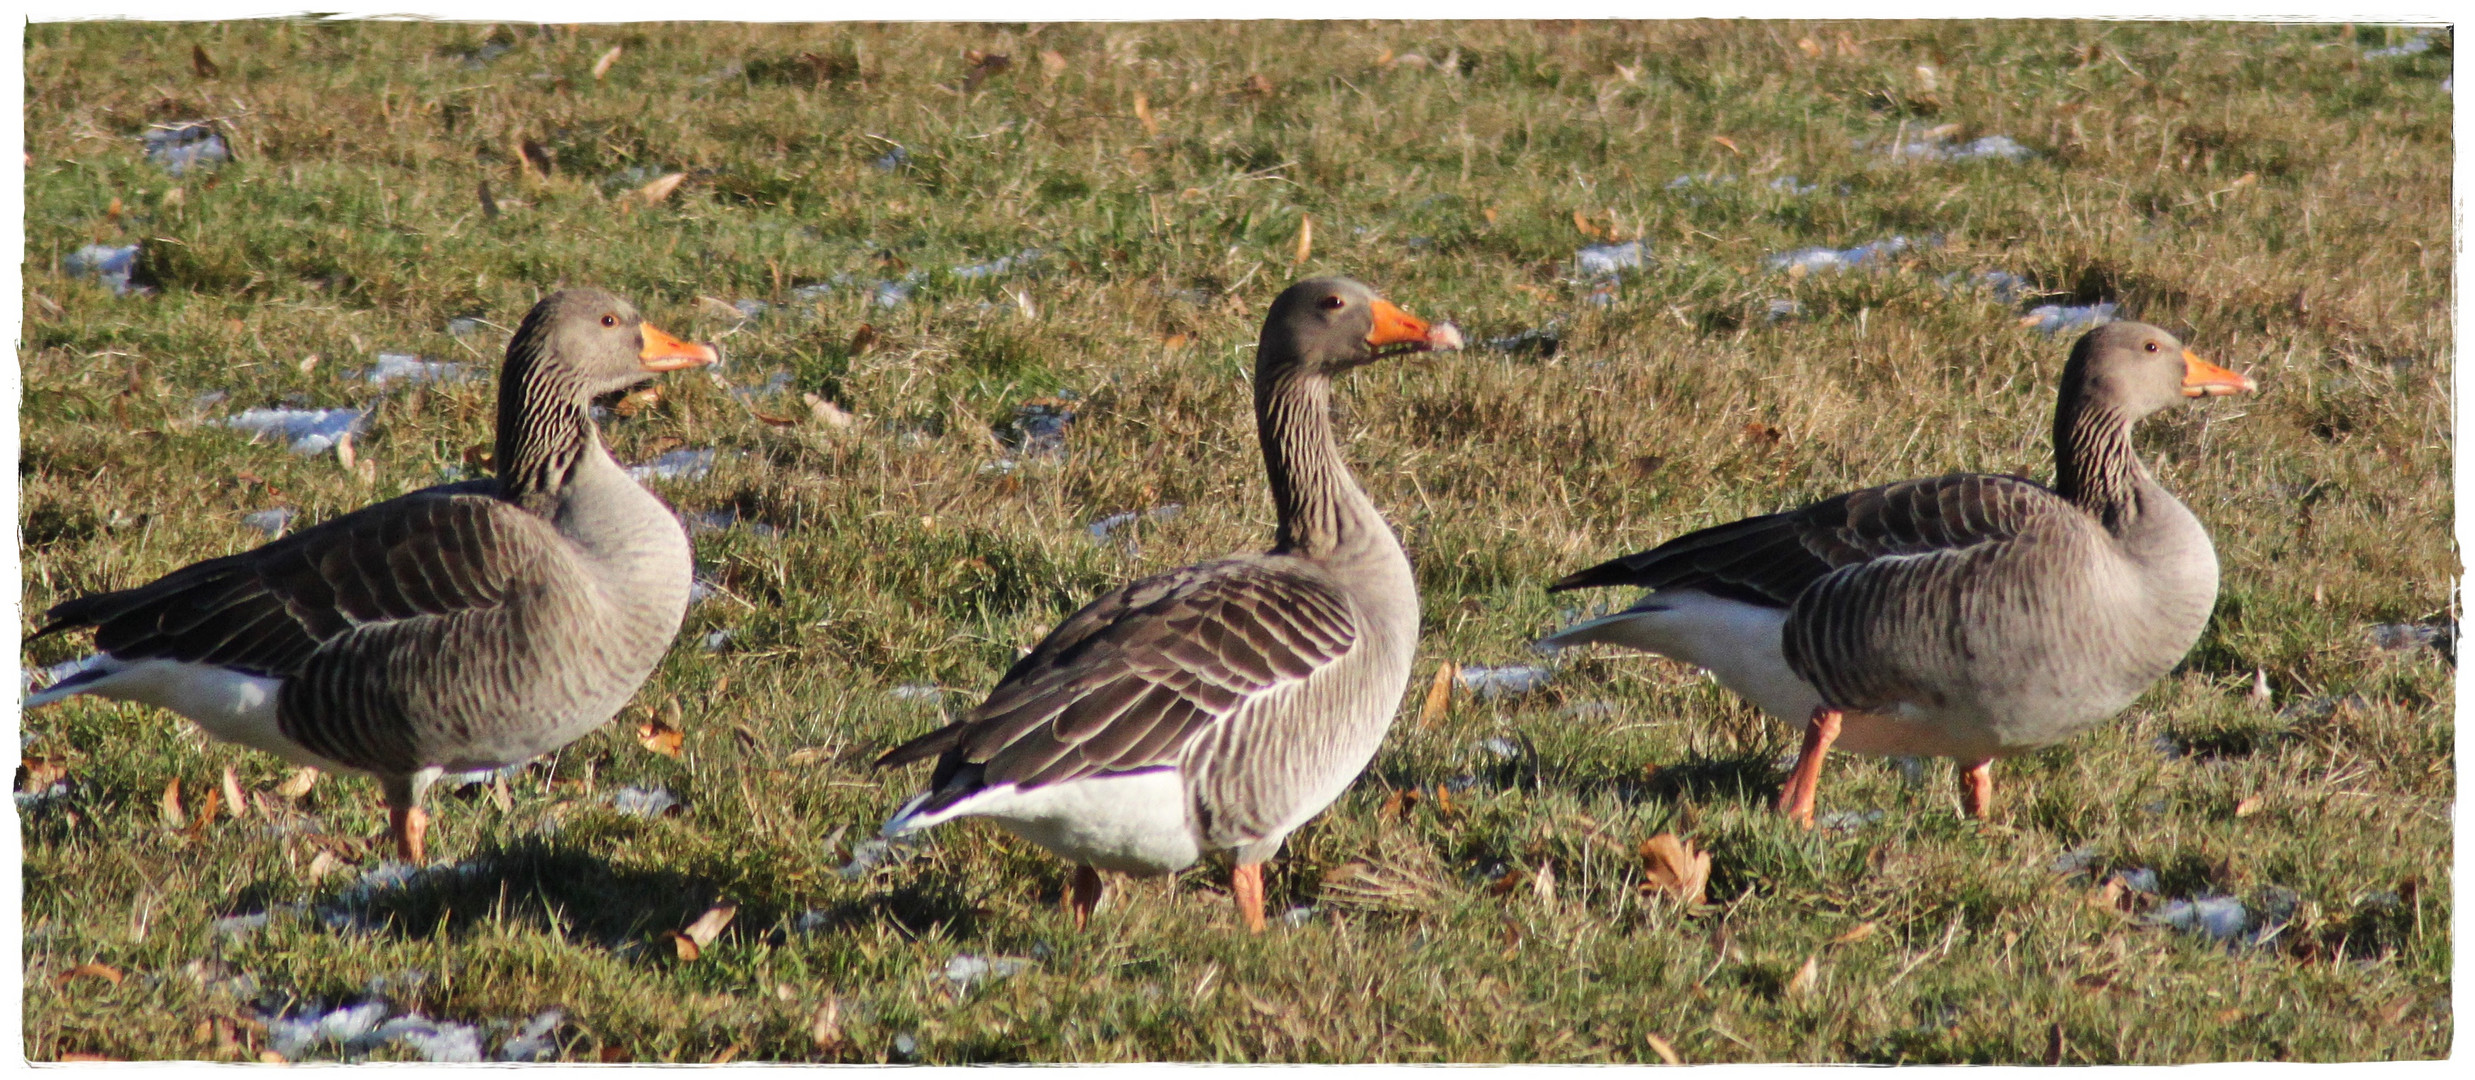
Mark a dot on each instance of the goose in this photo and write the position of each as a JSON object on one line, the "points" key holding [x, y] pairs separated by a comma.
{"points": [[463, 627], [1965, 616], [1219, 705]]}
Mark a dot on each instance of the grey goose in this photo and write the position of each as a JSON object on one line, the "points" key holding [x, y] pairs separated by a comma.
{"points": [[1965, 616], [1219, 705], [462, 627]]}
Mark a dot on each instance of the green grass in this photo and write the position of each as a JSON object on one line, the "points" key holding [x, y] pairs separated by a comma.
{"points": [[2270, 193]]}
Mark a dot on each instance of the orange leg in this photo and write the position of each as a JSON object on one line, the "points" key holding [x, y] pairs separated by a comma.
{"points": [[407, 825], [1976, 788], [1796, 799], [1246, 883], [1082, 897]]}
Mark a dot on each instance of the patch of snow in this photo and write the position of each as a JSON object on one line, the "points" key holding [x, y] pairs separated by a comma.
{"points": [[867, 855], [2221, 918], [1609, 260], [536, 1040], [1101, 529], [643, 802], [1817, 259], [2420, 43], [965, 969], [179, 148], [310, 431], [1991, 147], [2052, 319], [1510, 680], [272, 522], [1002, 265], [110, 265], [675, 465], [404, 367]]}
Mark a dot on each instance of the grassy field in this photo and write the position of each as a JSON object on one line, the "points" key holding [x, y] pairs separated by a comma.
{"points": [[2277, 195]]}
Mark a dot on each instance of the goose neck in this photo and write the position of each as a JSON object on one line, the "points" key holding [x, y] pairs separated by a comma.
{"points": [[1320, 506], [545, 430], [2095, 466]]}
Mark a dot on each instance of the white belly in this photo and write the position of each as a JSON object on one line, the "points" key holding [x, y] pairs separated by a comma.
{"points": [[1133, 823], [1734, 641], [1739, 644], [232, 706]]}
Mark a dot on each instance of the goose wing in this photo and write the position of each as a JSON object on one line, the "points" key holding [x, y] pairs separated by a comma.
{"points": [[270, 610], [1771, 560], [1127, 681]]}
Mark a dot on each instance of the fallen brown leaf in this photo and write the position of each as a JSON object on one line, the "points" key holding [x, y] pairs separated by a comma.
{"points": [[719, 308], [660, 732], [489, 206], [825, 1026], [601, 67], [89, 970], [1810, 47], [652, 194], [1439, 694], [1399, 804], [2247, 806], [1762, 434], [1729, 143], [168, 810], [863, 339], [233, 801], [322, 864], [1582, 222], [1052, 63], [206, 814], [808, 755], [298, 784], [1542, 884], [777, 421], [638, 401], [1674, 866], [2228, 1016], [1659, 1046], [1143, 114], [690, 943], [200, 63], [1856, 933], [1306, 238], [1801, 983]]}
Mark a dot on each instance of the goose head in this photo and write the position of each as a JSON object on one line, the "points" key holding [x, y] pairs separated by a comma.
{"points": [[1329, 325], [2134, 369], [588, 343]]}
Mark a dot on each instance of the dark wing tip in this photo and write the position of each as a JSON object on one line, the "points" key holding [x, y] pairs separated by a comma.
{"points": [[1616, 571], [919, 749]]}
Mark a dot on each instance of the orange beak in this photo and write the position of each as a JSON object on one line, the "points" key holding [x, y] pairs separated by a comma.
{"points": [[2204, 379], [1394, 326], [663, 352]]}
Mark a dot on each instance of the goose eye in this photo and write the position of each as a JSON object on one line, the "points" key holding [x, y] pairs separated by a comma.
{"points": [[613, 320], [1331, 303], [2152, 346]]}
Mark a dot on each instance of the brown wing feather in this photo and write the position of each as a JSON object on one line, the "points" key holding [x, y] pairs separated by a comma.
{"points": [[1772, 559], [267, 611], [1129, 679]]}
